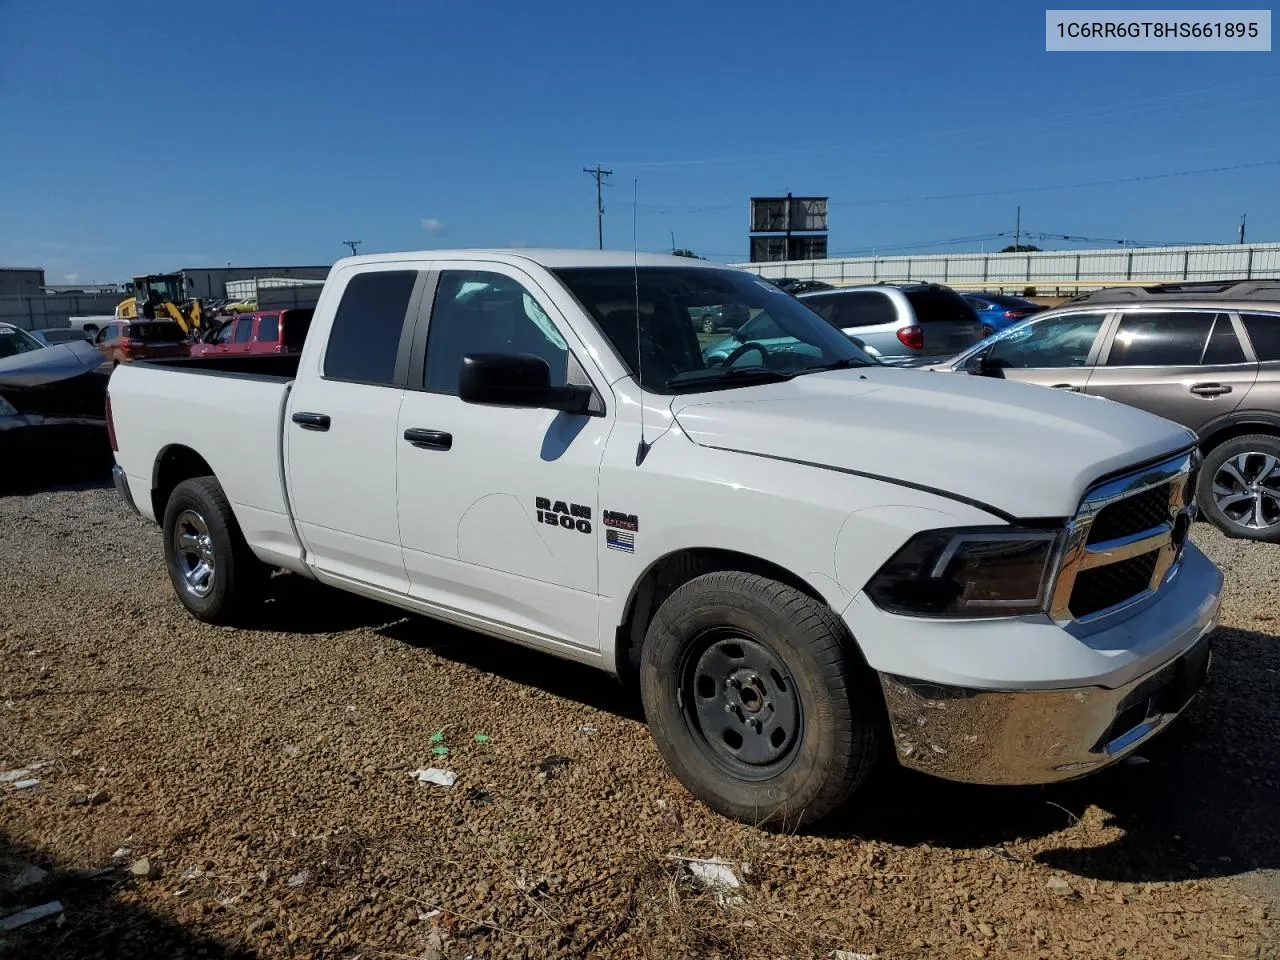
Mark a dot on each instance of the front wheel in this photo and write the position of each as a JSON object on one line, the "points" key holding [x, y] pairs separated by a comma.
{"points": [[758, 701], [213, 571], [1239, 487]]}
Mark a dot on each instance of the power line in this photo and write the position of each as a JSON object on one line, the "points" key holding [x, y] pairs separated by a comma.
{"points": [[599, 173]]}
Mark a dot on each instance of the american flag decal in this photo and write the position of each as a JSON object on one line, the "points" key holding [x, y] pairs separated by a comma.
{"points": [[620, 540]]}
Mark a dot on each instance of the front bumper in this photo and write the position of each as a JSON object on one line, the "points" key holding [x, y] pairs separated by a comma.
{"points": [[1040, 736]]}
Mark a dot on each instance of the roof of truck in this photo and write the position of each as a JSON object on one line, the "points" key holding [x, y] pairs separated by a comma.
{"points": [[551, 258]]}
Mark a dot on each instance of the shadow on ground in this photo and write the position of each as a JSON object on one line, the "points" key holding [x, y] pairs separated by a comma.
{"points": [[1206, 803], [94, 922]]}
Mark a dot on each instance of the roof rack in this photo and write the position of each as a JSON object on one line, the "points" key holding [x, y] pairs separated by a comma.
{"points": [[1268, 290]]}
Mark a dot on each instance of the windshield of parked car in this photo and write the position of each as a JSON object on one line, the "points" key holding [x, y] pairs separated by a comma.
{"points": [[1004, 300], [14, 341], [669, 348]]}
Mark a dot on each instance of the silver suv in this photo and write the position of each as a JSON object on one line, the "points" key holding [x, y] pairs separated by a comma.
{"points": [[902, 324], [1206, 355]]}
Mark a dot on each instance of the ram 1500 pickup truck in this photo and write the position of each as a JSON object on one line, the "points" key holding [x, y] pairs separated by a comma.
{"points": [[807, 559]]}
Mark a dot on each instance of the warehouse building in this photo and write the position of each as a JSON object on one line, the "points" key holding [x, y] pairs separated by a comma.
{"points": [[21, 281], [211, 282]]}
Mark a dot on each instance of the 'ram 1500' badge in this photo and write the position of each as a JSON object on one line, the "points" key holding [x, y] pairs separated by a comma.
{"points": [[571, 516]]}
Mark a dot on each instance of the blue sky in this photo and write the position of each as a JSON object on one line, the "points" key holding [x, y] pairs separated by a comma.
{"points": [[142, 136]]}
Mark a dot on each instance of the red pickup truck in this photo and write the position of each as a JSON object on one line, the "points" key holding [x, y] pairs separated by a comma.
{"points": [[264, 331]]}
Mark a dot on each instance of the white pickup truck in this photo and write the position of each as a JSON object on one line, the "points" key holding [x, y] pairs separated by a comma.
{"points": [[810, 561]]}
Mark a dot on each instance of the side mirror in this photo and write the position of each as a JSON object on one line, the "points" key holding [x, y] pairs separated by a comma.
{"points": [[979, 365], [517, 380]]}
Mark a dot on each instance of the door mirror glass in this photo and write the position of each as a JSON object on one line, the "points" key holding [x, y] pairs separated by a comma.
{"points": [[517, 380]]}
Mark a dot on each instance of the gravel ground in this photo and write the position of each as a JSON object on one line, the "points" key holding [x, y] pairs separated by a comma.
{"points": [[264, 777]]}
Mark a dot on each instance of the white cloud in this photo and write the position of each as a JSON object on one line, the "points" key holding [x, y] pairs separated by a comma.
{"points": [[72, 278], [432, 225]]}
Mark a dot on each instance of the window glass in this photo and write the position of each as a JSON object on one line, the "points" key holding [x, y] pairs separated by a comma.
{"points": [[14, 341], [365, 337], [1264, 334], [1224, 346], [268, 328], [652, 317], [244, 330], [1054, 342], [864, 308], [480, 312], [760, 327], [1151, 338], [933, 305]]}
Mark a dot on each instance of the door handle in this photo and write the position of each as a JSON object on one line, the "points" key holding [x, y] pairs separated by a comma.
{"points": [[1209, 389], [429, 439], [1066, 386], [311, 421]]}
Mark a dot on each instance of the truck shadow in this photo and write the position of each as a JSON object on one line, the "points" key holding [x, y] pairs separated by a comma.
{"points": [[1205, 803], [94, 923]]}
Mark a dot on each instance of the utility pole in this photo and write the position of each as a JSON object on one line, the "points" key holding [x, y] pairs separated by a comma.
{"points": [[599, 173], [673, 241], [1017, 230], [352, 244], [1242, 228]]}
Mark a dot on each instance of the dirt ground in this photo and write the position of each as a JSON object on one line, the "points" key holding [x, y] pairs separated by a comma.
{"points": [[248, 793]]}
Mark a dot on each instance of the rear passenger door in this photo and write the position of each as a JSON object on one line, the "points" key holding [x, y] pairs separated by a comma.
{"points": [[1186, 365], [341, 445]]}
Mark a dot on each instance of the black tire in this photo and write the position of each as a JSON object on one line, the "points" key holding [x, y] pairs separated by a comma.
{"points": [[1247, 454], [837, 741], [236, 576]]}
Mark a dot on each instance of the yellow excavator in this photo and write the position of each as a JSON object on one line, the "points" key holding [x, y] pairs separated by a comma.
{"points": [[162, 296]]}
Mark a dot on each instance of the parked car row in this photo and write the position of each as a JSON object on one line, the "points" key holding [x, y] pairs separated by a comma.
{"points": [[264, 331]]}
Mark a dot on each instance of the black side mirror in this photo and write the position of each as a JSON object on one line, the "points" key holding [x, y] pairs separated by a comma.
{"points": [[517, 380], [980, 365]]}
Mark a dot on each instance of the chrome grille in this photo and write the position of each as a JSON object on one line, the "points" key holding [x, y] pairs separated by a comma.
{"points": [[1124, 540]]}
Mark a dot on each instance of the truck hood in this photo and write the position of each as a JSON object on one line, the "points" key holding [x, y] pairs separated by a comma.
{"points": [[1024, 450]]}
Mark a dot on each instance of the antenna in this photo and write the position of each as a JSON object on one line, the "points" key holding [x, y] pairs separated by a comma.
{"points": [[352, 244], [642, 450]]}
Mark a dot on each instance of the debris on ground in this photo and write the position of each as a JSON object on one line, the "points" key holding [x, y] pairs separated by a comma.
{"points": [[548, 766], [714, 875], [1058, 886], [27, 784], [299, 879], [28, 876], [23, 917], [441, 778], [1136, 761], [144, 869], [481, 738], [478, 798], [850, 955]]}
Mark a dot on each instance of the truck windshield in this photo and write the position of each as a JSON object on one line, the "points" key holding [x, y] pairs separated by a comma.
{"points": [[701, 328]]}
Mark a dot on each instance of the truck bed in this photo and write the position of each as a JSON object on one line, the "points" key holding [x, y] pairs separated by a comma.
{"points": [[267, 367]]}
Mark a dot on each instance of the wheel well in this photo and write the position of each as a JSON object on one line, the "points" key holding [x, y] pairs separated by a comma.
{"points": [[175, 464], [1232, 431], [674, 570]]}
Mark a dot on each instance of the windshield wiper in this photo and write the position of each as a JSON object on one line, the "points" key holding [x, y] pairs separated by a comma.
{"points": [[726, 376]]}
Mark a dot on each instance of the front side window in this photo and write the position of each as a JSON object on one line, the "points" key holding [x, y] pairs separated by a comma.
{"points": [[652, 317], [1152, 338], [365, 337], [477, 311], [1050, 343]]}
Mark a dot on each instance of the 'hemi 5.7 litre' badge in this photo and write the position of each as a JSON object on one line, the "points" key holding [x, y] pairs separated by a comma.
{"points": [[620, 521]]}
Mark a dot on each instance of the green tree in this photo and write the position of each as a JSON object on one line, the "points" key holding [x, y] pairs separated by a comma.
{"points": [[686, 252], [1021, 248]]}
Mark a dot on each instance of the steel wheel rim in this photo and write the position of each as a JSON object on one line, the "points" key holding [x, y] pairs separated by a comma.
{"points": [[193, 549], [1246, 488], [741, 705]]}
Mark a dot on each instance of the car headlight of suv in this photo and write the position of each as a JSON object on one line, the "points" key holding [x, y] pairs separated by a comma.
{"points": [[973, 572]]}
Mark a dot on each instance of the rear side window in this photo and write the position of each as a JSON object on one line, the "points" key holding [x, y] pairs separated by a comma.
{"points": [[366, 330], [1223, 346], [268, 328], [151, 331], [940, 306], [1264, 333], [1156, 339], [296, 325], [856, 309], [244, 330]]}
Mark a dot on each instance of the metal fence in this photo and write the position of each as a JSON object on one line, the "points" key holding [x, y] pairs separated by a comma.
{"points": [[52, 310], [1068, 270]]}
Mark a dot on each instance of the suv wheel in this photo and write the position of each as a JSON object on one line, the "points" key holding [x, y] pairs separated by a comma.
{"points": [[758, 701], [1239, 487]]}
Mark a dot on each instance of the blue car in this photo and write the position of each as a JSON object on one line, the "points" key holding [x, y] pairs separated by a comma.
{"points": [[997, 311]]}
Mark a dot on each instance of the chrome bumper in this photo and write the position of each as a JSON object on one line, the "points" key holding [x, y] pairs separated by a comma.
{"points": [[122, 487], [1039, 736]]}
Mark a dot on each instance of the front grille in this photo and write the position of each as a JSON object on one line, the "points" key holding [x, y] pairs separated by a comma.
{"points": [[1132, 515], [1101, 587]]}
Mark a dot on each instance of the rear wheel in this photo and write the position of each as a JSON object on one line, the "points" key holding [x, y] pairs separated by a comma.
{"points": [[213, 571], [758, 701], [1239, 487]]}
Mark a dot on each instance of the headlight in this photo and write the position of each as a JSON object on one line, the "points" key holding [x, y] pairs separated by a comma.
{"points": [[979, 572]]}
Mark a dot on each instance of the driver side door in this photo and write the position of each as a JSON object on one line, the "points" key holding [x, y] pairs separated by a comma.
{"points": [[1058, 351]]}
